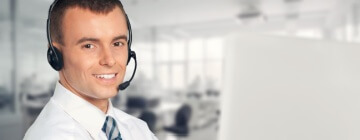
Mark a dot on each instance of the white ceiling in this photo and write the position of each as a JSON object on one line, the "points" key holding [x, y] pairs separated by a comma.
{"points": [[187, 18], [184, 18]]}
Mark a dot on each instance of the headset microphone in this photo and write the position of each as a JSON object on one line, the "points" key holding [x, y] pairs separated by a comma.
{"points": [[124, 85]]}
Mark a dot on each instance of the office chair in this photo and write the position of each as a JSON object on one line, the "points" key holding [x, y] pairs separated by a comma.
{"points": [[181, 125]]}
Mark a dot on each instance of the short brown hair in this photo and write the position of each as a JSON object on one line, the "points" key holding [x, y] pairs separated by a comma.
{"points": [[96, 6]]}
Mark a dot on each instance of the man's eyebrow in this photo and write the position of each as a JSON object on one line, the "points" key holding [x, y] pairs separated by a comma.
{"points": [[84, 39], [119, 37]]}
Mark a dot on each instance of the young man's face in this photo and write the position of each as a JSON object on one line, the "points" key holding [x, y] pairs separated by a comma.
{"points": [[95, 52]]}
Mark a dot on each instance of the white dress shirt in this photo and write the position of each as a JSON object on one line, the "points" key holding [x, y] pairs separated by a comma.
{"points": [[68, 117]]}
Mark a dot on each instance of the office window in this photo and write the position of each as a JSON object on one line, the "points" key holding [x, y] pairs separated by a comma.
{"points": [[196, 49], [205, 63], [145, 59], [144, 69], [181, 62], [144, 52], [195, 71], [213, 73], [214, 49], [213, 62], [162, 52], [178, 76], [177, 50], [164, 76]]}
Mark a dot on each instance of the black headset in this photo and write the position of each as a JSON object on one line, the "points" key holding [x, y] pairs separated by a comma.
{"points": [[55, 57]]}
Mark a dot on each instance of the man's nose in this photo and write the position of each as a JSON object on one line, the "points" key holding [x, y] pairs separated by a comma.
{"points": [[107, 57]]}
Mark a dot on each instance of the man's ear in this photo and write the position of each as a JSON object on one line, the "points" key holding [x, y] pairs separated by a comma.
{"points": [[56, 45]]}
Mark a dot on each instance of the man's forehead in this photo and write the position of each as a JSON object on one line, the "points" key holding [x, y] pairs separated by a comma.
{"points": [[82, 23]]}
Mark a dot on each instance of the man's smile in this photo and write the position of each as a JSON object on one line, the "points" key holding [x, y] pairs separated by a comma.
{"points": [[105, 76]]}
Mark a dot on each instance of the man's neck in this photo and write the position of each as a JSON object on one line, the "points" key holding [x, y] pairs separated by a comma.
{"points": [[102, 104]]}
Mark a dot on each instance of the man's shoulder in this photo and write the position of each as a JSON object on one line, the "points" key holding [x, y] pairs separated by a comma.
{"points": [[52, 123], [127, 118], [137, 126]]}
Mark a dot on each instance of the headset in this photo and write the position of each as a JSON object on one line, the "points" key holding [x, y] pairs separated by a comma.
{"points": [[55, 57]]}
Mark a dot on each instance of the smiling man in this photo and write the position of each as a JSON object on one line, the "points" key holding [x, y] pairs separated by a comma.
{"points": [[90, 39]]}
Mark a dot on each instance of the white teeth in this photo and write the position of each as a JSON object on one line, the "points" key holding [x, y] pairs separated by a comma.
{"points": [[105, 76]]}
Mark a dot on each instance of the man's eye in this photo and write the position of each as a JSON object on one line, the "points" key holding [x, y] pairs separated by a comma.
{"points": [[117, 44], [88, 46]]}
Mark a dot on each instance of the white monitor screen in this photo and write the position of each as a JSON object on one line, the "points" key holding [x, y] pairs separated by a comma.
{"points": [[281, 88]]}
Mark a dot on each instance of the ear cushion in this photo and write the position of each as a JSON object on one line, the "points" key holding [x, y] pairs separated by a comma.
{"points": [[55, 58]]}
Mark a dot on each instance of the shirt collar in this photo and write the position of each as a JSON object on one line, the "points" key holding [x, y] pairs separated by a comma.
{"points": [[85, 113]]}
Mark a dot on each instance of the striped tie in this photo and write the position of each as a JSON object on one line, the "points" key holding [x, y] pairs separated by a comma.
{"points": [[110, 129]]}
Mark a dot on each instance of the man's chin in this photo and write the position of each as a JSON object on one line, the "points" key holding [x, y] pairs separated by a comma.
{"points": [[106, 94]]}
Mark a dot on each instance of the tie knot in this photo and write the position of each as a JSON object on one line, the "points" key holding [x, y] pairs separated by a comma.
{"points": [[110, 129]]}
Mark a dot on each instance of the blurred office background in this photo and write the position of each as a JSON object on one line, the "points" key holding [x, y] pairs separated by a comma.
{"points": [[180, 48]]}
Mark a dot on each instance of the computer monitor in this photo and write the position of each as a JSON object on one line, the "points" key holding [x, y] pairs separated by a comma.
{"points": [[284, 88]]}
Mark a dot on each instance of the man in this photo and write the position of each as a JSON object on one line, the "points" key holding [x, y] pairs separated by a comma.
{"points": [[91, 36]]}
